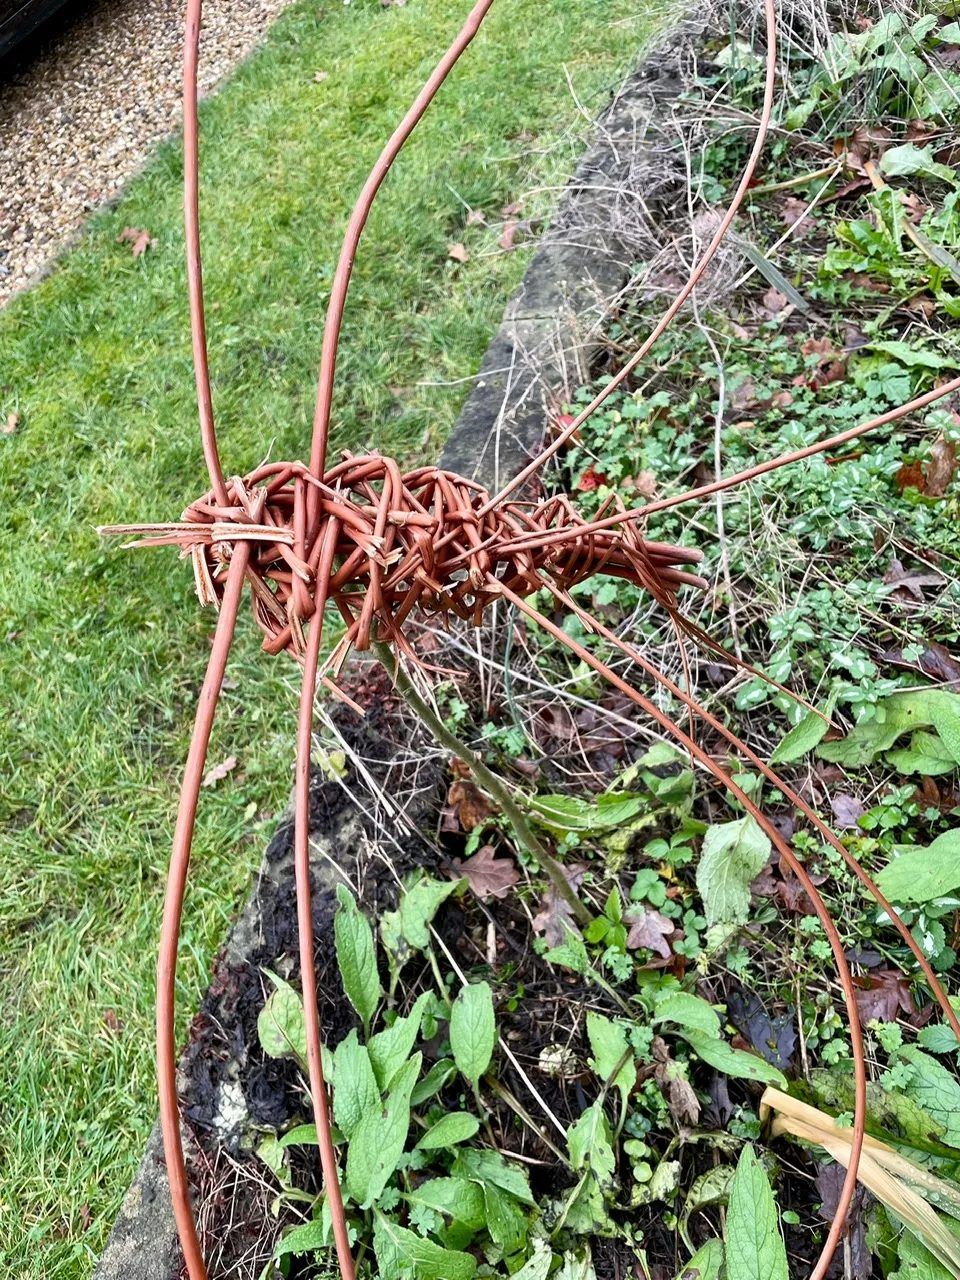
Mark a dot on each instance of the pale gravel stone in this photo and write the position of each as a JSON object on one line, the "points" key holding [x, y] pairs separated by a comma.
{"points": [[79, 119]]}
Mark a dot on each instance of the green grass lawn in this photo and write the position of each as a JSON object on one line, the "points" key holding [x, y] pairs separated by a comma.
{"points": [[103, 651]]}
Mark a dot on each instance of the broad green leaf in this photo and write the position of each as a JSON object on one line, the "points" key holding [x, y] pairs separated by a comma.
{"points": [[927, 754], [946, 721], [390, 1049], [916, 1262], [537, 1267], [608, 1040], [354, 1086], [401, 1253], [938, 1038], [375, 1149], [419, 905], [439, 1074], [356, 956], [686, 1010], [563, 814], [922, 874], [911, 353], [303, 1239], [589, 1143], [733, 1062], [755, 1249], [733, 855], [909, 160], [506, 1221], [473, 1031], [489, 1166], [901, 713], [271, 1152], [280, 1026], [456, 1127], [935, 1088], [803, 737], [705, 1263], [300, 1135], [576, 1266], [459, 1198]]}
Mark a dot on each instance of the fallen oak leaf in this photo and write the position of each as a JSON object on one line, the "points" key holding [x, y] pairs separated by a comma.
{"points": [[220, 771], [649, 929], [458, 252], [467, 807], [488, 875], [138, 238], [883, 995]]}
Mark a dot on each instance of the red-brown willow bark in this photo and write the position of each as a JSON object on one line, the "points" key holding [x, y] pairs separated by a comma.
{"points": [[383, 547]]}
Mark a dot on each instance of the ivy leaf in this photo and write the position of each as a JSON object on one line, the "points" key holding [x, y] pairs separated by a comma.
{"points": [[755, 1249], [280, 1027], [401, 1252], [473, 1031], [608, 1040], [419, 905], [456, 1127], [705, 1263], [922, 874], [356, 956], [355, 1087], [391, 1048], [377, 1144], [733, 855], [733, 1062]]}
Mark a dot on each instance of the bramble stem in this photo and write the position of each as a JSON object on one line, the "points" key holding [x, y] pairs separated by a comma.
{"points": [[486, 779]]}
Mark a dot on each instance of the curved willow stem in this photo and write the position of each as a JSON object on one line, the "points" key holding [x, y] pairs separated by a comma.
{"points": [[191, 221], [836, 945], [358, 219], [933, 982], [569, 431], [173, 911]]}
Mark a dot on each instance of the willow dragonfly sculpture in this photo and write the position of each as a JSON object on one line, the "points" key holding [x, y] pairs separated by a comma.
{"points": [[384, 548]]}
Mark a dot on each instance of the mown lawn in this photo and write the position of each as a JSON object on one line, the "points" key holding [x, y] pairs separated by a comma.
{"points": [[103, 651]]}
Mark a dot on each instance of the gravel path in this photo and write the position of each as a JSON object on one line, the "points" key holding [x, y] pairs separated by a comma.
{"points": [[81, 116]]}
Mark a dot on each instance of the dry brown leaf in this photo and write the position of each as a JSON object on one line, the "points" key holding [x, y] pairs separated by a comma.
{"points": [[938, 472], [508, 234], [488, 875], [220, 771], [650, 929], [320, 76], [681, 1099], [467, 807], [775, 302], [475, 218], [884, 995], [553, 921], [458, 252], [9, 427], [138, 239]]}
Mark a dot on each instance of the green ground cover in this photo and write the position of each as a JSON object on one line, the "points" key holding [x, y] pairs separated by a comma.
{"points": [[103, 651]]}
